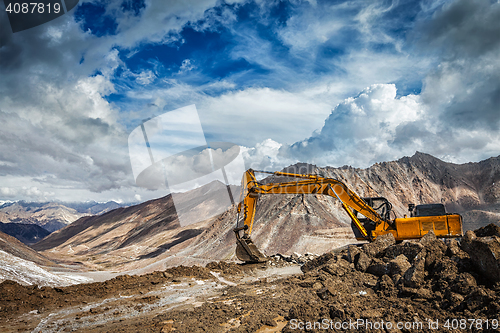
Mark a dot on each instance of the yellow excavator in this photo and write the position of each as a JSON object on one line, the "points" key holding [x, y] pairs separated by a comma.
{"points": [[376, 215]]}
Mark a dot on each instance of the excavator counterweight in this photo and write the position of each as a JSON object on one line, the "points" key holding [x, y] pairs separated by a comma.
{"points": [[377, 217]]}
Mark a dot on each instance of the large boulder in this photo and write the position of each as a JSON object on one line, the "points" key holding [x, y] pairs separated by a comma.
{"points": [[381, 243], [352, 252], [479, 298], [414, 276], [435, 248], [411, 250], [377, 267], [454, 249], [445, 269], [484, 253], [386, 286], [489, 230], [362, 262], [398, 265], [464, 283]]}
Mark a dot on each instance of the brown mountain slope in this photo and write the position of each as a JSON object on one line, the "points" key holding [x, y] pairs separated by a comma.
{"points": [[423, 178], [12, 246], [143, 216], [140, 232], [309, 223], [143, 225], [26, 233], [150, 233]]}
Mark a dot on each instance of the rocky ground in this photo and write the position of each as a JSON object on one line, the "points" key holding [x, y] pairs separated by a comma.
{"points": [[429, 285]]}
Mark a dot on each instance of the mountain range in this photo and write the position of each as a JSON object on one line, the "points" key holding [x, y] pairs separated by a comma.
{"points": [[51, 216], [149, 236]]}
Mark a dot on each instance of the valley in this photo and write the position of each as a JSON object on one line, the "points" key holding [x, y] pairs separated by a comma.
{"points": [[138, 267]]}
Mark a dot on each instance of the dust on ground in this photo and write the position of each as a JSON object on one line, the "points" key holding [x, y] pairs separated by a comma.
{"points": [[379, 283]]}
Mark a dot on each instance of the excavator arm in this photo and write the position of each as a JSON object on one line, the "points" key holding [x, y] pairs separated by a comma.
{"points": [[306, 184]]}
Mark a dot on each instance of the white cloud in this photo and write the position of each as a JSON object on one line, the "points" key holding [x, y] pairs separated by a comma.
{"points": [[361, 129], [264, 156], [159, 21], [186, 66], [307, 29], [145, 77], [32, 193], [252, 115]]}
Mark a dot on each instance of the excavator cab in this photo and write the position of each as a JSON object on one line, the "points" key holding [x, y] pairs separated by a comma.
{"points": [[429, 210], [380, 205]]}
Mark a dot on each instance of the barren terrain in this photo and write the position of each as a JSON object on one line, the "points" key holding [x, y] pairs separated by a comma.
{"points": [[425, 286]]}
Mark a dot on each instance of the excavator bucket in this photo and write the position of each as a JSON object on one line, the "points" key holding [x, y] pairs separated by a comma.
{"points": [[247, 251]]}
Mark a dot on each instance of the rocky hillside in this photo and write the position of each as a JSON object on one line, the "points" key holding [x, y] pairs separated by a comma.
{"points": [[48, 215], [471, 189], [23, 265], [149, 235], [12, 246], [93, 207], [135, 236]]}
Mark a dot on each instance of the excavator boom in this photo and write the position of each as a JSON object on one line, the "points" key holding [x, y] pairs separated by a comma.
{"points": [[371, 225]]}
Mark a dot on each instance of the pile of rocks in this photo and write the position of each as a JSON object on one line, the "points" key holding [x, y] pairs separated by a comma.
{"points": [[457, 276], [293, 259]]}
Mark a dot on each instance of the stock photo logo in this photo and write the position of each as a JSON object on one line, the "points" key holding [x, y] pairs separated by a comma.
{"points": [[170, 152], [26, 14]]}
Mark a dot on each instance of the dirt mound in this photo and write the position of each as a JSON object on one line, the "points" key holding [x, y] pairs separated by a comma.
{"points": [[420, 285], [16, 298], [439, 274], [224, 267], [484, 253], [489, 230], [188, 271]]}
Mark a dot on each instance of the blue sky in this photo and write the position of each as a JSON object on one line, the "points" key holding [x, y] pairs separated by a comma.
{"points": [[324, 82]]}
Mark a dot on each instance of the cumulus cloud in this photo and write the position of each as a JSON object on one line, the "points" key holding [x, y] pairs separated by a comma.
{"points": [[362, 130], [465, 87], [455, 117], [377, 126], [32, 193], [264, 156]]}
